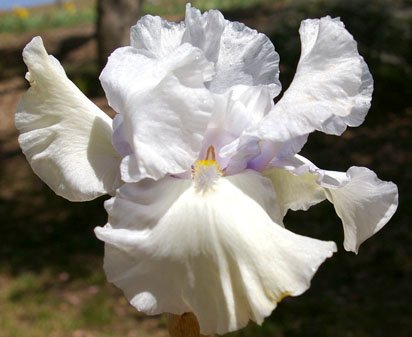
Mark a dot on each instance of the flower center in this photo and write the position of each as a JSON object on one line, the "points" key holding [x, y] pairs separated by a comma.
{"points": [[207, 171]]}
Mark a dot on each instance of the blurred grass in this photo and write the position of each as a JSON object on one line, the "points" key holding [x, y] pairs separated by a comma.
{"points": [[60, 18], [21, 19], [51, 16], [34, 306], [51, 278], [176, 7]]}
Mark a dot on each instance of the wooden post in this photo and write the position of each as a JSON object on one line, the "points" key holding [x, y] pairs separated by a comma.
{"points": [[185, 325]]}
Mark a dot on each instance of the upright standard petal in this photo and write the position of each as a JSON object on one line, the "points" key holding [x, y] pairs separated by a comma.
{"points": [[331, 90], [362, 201], [219, 253], [241, 55], [157, 36], [164, 109], [65, 137]]}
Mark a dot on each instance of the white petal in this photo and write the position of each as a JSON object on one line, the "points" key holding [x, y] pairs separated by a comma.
{"points": [[331, 89], [255, 101], [242, 55], [217, 254], [241, 151], [242, 108], [260, 189], [65, 137], [295, 192], [365, 204], [362, 201], [156, 36], [204, 31], [299, 165], [165, 109]]}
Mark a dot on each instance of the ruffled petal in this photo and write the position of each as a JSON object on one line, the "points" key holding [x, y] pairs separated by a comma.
{"points": [[365, 204], [65, 137], [331, 90], [156, 36], [164, 109], [362, 201], [241, 55], [218, 253], [204, 31]]}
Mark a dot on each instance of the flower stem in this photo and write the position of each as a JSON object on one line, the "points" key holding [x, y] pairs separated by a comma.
{"points": [[185, 325]]}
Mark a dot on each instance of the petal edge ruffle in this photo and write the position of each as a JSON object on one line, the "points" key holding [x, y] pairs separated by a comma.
{"points": [[331, 90], [65, 137], [164, 108], [363, 202], [219, 253]]}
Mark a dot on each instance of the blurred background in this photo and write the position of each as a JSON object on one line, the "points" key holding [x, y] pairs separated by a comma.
{"points": [[51, 278]]}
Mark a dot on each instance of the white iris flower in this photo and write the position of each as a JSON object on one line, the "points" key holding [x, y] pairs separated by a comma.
{"points": [[201, 163]]}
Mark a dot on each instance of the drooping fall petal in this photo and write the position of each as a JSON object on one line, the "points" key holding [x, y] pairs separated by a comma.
{"points": [[65, 137], [362, 201], [216, 253], [365, 204]]}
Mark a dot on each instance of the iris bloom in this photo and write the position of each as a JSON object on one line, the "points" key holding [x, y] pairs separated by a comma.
{"points": [[202, 165]]}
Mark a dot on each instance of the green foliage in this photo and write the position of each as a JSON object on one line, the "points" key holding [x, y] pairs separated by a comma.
{"points": [[10, 22], [37, 21], [176, 7], [96, 311], [27, 285]]}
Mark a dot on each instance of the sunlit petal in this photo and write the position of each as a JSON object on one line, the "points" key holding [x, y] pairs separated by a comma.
{"points": [[242, 55], [362, 201], [331, 90], [216, 253], [365, 204], [295, 192], [164, 109], [65, 137], [245, 107], [158, 37]]}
